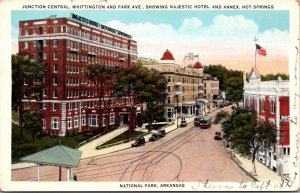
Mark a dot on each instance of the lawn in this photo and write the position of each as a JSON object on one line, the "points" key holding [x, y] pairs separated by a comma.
{"points": [[22, 147], [124, 136]]}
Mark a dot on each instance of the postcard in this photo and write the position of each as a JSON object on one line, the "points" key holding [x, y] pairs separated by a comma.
{"points": [[109, 95]]}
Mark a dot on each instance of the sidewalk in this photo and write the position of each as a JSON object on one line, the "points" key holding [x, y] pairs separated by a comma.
{"points": [[263, 173], [89, 149]]}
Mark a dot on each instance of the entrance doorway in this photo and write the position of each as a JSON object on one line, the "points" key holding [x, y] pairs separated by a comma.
{"points": [[123, 119]]}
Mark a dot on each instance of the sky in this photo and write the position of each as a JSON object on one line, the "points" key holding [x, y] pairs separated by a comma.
{"points": [[218, 37]]}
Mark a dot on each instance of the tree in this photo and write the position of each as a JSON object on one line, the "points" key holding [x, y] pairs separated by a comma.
{"points": [[142, 61], [234, 88], [100, 76], [221, 115], [274, 77], [25, 70], [231, 81], [32, 123], [142, 85], [218, 71], [125, 86], [247, 137], [151, 89]]}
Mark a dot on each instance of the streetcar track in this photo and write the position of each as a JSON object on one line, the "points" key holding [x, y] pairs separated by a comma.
{"points": [[114, 164], [201, 131], [161, 145], [186, 140], [177, 144]]}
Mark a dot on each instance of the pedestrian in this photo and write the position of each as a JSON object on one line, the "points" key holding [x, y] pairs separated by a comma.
{"points": [[75, 177]]}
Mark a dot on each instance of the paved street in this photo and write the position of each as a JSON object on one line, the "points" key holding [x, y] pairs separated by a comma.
{"points": [[186, 154]]}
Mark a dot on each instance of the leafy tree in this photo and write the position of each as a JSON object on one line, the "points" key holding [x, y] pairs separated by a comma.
{"points": [[142, 85], [274, 77], [221, 115], [101, 76], [151, 89], [32, 123], [218, 71], [142, 61], [25, 69], [246, 136], [231, 81], [234, 88]]}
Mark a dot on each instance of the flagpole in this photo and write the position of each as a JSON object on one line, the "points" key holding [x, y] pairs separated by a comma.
{"points": [[255, 39]]}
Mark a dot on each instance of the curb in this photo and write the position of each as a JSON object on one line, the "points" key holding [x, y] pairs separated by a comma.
{"points": [[238, 163]]}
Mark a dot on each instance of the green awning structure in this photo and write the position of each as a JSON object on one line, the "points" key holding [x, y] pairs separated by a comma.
{"points": [[58, 155]]}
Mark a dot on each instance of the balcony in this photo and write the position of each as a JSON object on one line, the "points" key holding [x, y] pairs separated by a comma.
{"points": [[200, 92], [121, 58], [74, 50], [92, 53], [178, 84], [134, 61], [178, 93]]}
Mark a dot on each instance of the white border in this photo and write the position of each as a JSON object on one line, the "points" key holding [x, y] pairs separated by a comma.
{"points": [[5, 90]]}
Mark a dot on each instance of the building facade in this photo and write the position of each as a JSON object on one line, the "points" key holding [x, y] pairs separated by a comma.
{"points": [[211, 89], [185, 86], [66, 47], [270, 99]]}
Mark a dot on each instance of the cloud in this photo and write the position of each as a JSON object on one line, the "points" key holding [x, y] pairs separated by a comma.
{"points": [[192, 23], [229, 40]]}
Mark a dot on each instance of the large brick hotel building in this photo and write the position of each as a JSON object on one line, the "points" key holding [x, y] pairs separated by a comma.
{"points": [[67, 46]]}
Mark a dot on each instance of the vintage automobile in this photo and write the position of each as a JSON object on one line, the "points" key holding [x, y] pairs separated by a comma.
{"points": [[138, 142], [154, 137], [183, 123], [161, 133], [218, 135]]}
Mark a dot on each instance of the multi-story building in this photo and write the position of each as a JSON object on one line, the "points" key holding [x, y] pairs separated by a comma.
{"points": [[211, 89], [270, 99], [184, 86], [66, 47]]}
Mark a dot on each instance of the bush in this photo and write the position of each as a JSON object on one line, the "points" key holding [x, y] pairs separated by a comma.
{"points": [[220, 115]]}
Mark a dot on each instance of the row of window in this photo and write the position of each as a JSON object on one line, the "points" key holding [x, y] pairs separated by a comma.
{"points": [[76, 32], [83, 104], [184, 88], [73, 45], [73, 122], [184, 99], [183, 79], [92, 60], [40, 45], [262, 103]]}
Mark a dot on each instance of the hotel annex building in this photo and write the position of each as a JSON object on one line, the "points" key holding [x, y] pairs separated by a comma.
{"points": [[66, 47], [270, 99], [187, 88]]}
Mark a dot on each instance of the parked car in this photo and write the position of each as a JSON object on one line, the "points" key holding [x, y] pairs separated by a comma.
{"points": [[138, 142], [183, 123], [161, 133], [218, 135], [154, 137]]}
